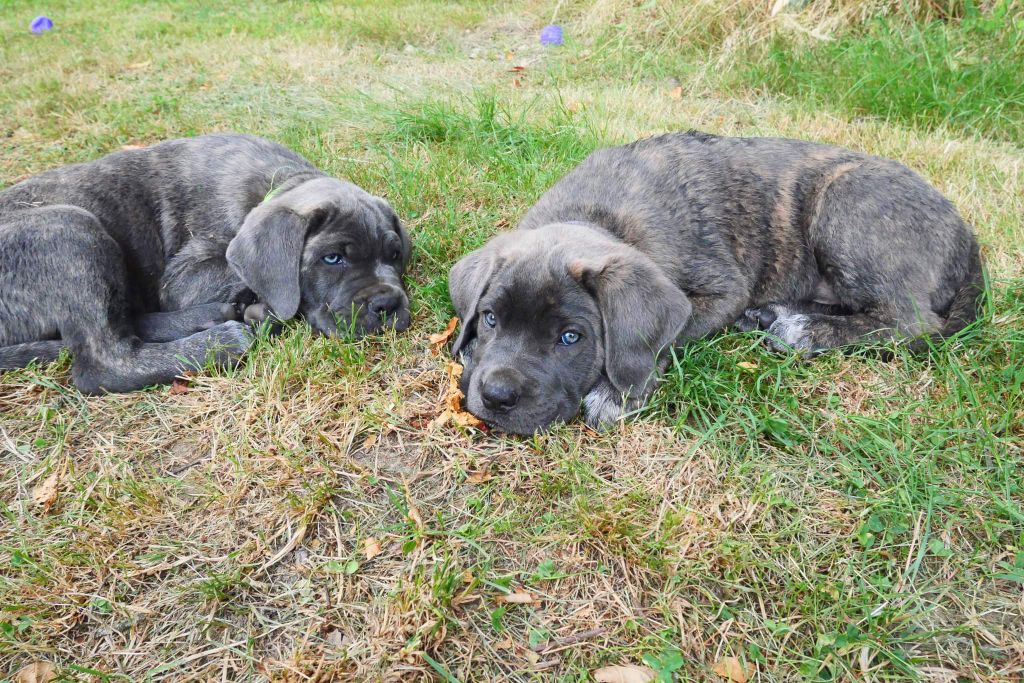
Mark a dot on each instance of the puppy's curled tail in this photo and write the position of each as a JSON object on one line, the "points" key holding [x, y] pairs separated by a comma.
{"points": [[20, 355], [968, 301]]}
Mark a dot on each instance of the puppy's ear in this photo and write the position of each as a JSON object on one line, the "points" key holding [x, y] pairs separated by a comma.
{"points": [[399, 229], [267, 254], [642, 312], [467, 282]]}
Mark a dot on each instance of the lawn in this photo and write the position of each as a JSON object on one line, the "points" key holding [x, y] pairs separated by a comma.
{"points": [[298, 518]]}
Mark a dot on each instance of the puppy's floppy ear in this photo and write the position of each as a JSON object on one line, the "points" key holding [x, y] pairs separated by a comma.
{"points": [[399, 229], [467, 282], [642, 312], [267, 254]]}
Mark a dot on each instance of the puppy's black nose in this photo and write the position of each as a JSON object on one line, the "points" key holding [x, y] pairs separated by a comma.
{"points": [[385, 305], [499, 395]]}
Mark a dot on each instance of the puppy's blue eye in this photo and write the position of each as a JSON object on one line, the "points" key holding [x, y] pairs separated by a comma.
{"points": [[333, 259], [490, 319], [569, 338]]}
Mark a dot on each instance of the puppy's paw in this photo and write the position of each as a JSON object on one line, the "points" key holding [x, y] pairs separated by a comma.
{"points": [[602, 407], [230, 340], [217, 314]]}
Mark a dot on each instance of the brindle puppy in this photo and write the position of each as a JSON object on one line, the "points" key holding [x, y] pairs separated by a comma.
{"points": [[143, 262], [671, 238]]}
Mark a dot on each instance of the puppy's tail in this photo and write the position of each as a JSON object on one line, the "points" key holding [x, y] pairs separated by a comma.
{"points": [[968, 301], [20, 355]]}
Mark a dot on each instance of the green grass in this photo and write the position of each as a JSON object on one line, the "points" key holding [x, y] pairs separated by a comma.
{"points": [[963, 75], [848, 518]]}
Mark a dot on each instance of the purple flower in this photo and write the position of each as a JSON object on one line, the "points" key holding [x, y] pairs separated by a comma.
{"points": [[41, 23], [551, 35]]}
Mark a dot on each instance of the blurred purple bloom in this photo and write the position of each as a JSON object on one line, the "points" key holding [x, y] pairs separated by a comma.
{"points": [[41, 23], [551, 35]]}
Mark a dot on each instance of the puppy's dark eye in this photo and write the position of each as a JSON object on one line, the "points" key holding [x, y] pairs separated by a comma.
{"points": [[490, 318], [396, 255], [333, 259], [569, 338]]}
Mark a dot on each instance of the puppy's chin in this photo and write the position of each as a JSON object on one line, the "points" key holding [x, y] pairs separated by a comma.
{"points": [[326, 323], [369, 324], [516, 421]]}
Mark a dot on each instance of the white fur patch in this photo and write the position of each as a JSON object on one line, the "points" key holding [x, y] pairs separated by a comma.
{"points": [[601, 407], [791, 329]]}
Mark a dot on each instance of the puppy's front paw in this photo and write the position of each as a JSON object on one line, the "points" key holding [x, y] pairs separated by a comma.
{"points": [[602, 407], [787, 330]]}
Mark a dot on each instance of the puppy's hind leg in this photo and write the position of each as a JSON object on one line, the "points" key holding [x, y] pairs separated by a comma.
{"points": [[86, 300], [805, 327], [126, 364]]}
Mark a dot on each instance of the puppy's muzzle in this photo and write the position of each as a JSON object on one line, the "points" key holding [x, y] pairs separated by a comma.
{"points": [[381, 308], [501, 390]]}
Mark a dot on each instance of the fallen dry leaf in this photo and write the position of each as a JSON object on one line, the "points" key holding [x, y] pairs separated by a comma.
{"points": [[371, 548], [518, 69], [516, 83], [517, 598], [36, 672], [627, 673], [478, 477], [509, 56], [453, 411], [732, 669], [46, 493], [369, 441], [179, 386], [506, 644], [747, 365], [676, 93], [440, 338], [572, 107]]}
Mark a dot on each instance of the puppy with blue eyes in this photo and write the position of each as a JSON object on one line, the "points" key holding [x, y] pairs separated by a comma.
{"points": [[148, 262], [649, 245]]}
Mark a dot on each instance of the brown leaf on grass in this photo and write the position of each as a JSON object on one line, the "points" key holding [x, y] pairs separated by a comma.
{"points": [[627, 673], [414, 516], [505, 644], [516, 83], [731, 669], [676, 93], [36, 672], [45, 494], [441, 338], [371, 548], [452, 411], [478, 477], [179, 386], [747, 365], [518, 69], [517, 598], [369, 441]]}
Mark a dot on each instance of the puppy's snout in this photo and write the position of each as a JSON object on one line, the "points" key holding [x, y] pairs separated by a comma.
{"points": [[385, 305], [500, 392]]}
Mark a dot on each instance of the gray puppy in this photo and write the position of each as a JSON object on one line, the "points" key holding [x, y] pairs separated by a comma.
{"points": [[143, 262], [671, 238]]}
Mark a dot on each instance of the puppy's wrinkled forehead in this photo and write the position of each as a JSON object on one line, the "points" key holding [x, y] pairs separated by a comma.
{"points": [[363, 221], [534, 290]]}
